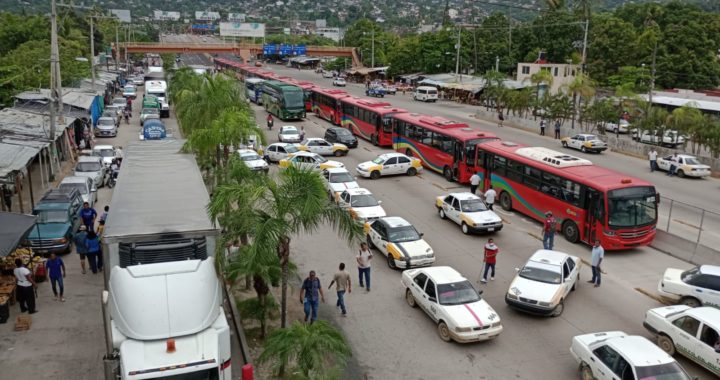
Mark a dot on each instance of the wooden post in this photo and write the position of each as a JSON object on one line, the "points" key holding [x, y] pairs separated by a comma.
{"points": [[32, 196], [18, 189]]}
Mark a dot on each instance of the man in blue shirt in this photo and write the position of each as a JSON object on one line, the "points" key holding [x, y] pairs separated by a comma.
{"points": [[80, 246], [312, 290], [56, 272], [88, 215], [595, 259]]}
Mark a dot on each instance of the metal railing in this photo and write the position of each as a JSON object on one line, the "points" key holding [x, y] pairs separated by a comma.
{"points": [[693, 223]]}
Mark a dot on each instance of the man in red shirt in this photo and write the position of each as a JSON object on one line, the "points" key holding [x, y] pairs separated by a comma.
{"points": [[549, 227], [491, 251]]}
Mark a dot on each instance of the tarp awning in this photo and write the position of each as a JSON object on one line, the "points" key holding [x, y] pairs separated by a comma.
{"points": [[14, 158], [15, 227]]}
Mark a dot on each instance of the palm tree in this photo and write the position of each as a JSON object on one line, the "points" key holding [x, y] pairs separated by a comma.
{"points": [[312, 348], [200, 105], [583, 89], [542, 77], [296, 202]]}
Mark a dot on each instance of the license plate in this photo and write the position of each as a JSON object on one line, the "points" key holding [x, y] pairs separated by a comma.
{"points": [[491, 229]]}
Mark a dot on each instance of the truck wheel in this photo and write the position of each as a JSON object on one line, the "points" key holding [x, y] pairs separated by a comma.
{"points": [[666, 344], [570, 231], [374, 140], [447, 173]]}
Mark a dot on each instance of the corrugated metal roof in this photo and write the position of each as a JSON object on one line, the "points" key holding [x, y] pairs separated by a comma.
{"points": [[15, 157], [75, 97], [23, 125]]}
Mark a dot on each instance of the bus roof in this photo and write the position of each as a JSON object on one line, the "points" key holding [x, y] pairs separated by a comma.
{"points": [[254, 80], [380, 106], [331, 92], [280, 85], [571, 167], [456, 129]]}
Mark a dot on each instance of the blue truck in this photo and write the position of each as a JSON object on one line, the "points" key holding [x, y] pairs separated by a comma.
{"points": [[58, 218], [153, 129], [376, 91]]}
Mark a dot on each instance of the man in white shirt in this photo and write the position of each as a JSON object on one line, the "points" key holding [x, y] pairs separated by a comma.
{"points": [[25, 287], [363, 260], [652, 155], [490, 195], [474, 182]]}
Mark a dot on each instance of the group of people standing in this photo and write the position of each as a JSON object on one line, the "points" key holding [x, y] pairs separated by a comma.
{"points": [[87, 239]]}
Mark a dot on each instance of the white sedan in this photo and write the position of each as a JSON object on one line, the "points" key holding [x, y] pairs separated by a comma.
{"points": [[339, 82], [289, 134], [253, 160], [279, 151], [389, 164], [469, 211], [686, 166], [307, 160], [544, 282], [585, 143], [450, 300], [361, 204], [338, 180], [694, 287], [400, 242], [615, 355], [692, 332], [322, 147]]}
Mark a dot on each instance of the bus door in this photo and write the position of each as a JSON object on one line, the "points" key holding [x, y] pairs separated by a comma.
{"points": [[483, 165], [458, 157], [595, 211]]}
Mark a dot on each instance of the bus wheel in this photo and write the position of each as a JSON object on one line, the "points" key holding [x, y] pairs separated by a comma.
{"points": [[570, 231], [375, 174], [374, 139], [447, 173], [505, 201]]}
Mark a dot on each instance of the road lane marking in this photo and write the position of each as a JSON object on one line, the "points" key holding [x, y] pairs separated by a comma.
{"points": [[536, 236], [653, 296]]}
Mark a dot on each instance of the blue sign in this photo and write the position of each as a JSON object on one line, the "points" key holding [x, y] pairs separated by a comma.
{"points": [[203, 27], [270, 49], [285, 49], [299, 50]]}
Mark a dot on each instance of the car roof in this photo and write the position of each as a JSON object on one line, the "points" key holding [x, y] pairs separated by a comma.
{"points": [[358, 191], [337, 170], [75, 179], [288, 127], [707, 314], [586, 135], [281, 144], [464, 196], [443, 275], [89, 159], [314, 138], [547, 256], [246, 151], [639, 351], [103, 147], [395, 221], [712, 270], [686, 156], [303, 153], [385, 156]]}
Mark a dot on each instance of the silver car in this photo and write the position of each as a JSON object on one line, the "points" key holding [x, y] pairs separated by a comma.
{"points": [[106, 127], [91, 167], [84, 185]]}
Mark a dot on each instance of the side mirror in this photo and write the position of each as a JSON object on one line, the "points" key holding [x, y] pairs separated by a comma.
{"points": [[432, 299], [379, 202], [93, 189], [422, 234], [480, 292], [517, 269]]}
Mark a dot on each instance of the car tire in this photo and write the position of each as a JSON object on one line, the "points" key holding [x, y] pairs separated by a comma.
{"points": [[441, 213], [506, 201], [374, 174], [464, 228], [680, 173], [570, 231], [690, 301], [666, 344], [338, 153], [411, 172], [410, 299], [586, 372], [447, 173], [391, 262], [559, 309], [444, 331]]}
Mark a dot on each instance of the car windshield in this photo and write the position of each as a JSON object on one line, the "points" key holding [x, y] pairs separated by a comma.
{"points": [[668, 371], [149, 111], [109, 113], [690, 274], [67, 187], [632, 207], [472, 205], [341, 178], [378, 160], [250, 157], [457, 293], [363, 200], [289, 131], [691, 161], [105, 153], [110, 122], [401, 234], [88, 167], [342, 132], [294, 99], [535, 273], [291, 149], [51, 216]]}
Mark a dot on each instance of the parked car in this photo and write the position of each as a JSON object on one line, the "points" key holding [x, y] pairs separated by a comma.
{"points": [[289, 133], [308, 160], [106, 127], [669, 138], [693, 287], [361, 204], [390, 89], [106, 152], [451, 301], [622, 126], [342, 136], [376, 91], [253, 160], [130, 91], [112, 114], [84, 185], [389, 164], [328, 74], [469, 211], [91, 167], [337, 180], [120, 102], [426, 94], [320, 146], [400, 242], [584, 142], [339, 82], [692, 332], [686, 165], [138, 80], [544, 282], [147, 112], [58, 219], [279, 151]]}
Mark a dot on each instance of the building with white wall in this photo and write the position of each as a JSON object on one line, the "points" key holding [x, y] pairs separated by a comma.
{"points": [[563, 73]]}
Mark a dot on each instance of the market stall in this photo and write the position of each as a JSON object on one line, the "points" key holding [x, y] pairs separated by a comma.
{"points": [[15, 228]]}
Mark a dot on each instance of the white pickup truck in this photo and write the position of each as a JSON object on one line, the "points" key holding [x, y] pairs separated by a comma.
{"points": [[670, 138]]}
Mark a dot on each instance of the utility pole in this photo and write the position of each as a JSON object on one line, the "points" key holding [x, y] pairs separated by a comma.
{"points": [[55, 89], [510, 39], [92, 54], [584, 48], [457, 56], [117, 46], [652, 77], [372, 59], [497, 63]]}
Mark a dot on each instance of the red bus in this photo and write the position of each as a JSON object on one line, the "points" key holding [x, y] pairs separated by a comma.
{"points": [[369, 119], [589, 202], [445, 146], [307, 91], [326, 103]]}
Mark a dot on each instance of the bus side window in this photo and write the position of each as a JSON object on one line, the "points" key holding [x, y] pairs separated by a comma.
{"points": [[532, 177], [480, 159], [470, 155], [499, 165]]}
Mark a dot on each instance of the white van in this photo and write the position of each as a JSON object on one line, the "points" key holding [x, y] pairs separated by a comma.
{"points": [[426, 94]]}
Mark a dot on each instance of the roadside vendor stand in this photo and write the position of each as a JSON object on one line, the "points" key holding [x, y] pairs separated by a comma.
{"points": [[14, 229]]}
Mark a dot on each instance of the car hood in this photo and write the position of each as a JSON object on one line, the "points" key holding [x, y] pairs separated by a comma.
{"points": [[331, 164], [338, 187], [368, 166], [92, 175], [369, 212], [673, 275], [665, 311], [414, 248], [487, 216], [534, 290], [256, 163], [49, 231], [474, 314]]}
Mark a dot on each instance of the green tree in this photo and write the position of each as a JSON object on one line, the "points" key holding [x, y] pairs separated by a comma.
{"points": [[583, 89], [689, 121], [612, 41], [311, 349]]}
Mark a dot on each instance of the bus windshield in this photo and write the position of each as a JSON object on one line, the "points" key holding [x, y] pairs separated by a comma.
{"points": [[632, 207], [294, 99]]}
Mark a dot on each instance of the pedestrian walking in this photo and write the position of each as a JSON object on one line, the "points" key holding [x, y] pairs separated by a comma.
{"points": [[93, 250], [557, 129], [7, 196], [25, 287], [549, 227], [341, 279], [596, 258], [673, 165], [490, 195], [81, 246], [88, 216], [501, 118], [490, 258], [543, 123], [652, 156], [56, 272], [312, 292], [104, 215], [363, 258], [302, 133], [474, 182]]}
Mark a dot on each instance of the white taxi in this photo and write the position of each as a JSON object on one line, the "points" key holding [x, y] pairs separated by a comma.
{"points": [[338, 180], [361, 204], [686, 166], [307, 160], [389, 164], [452, 302], [322, 147], [400, 242], [469, 211], [253, 160], [694, 287], [278, 151], [289, 134], [692, 332], [615, 355], [544, 282], [585, 143]]}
